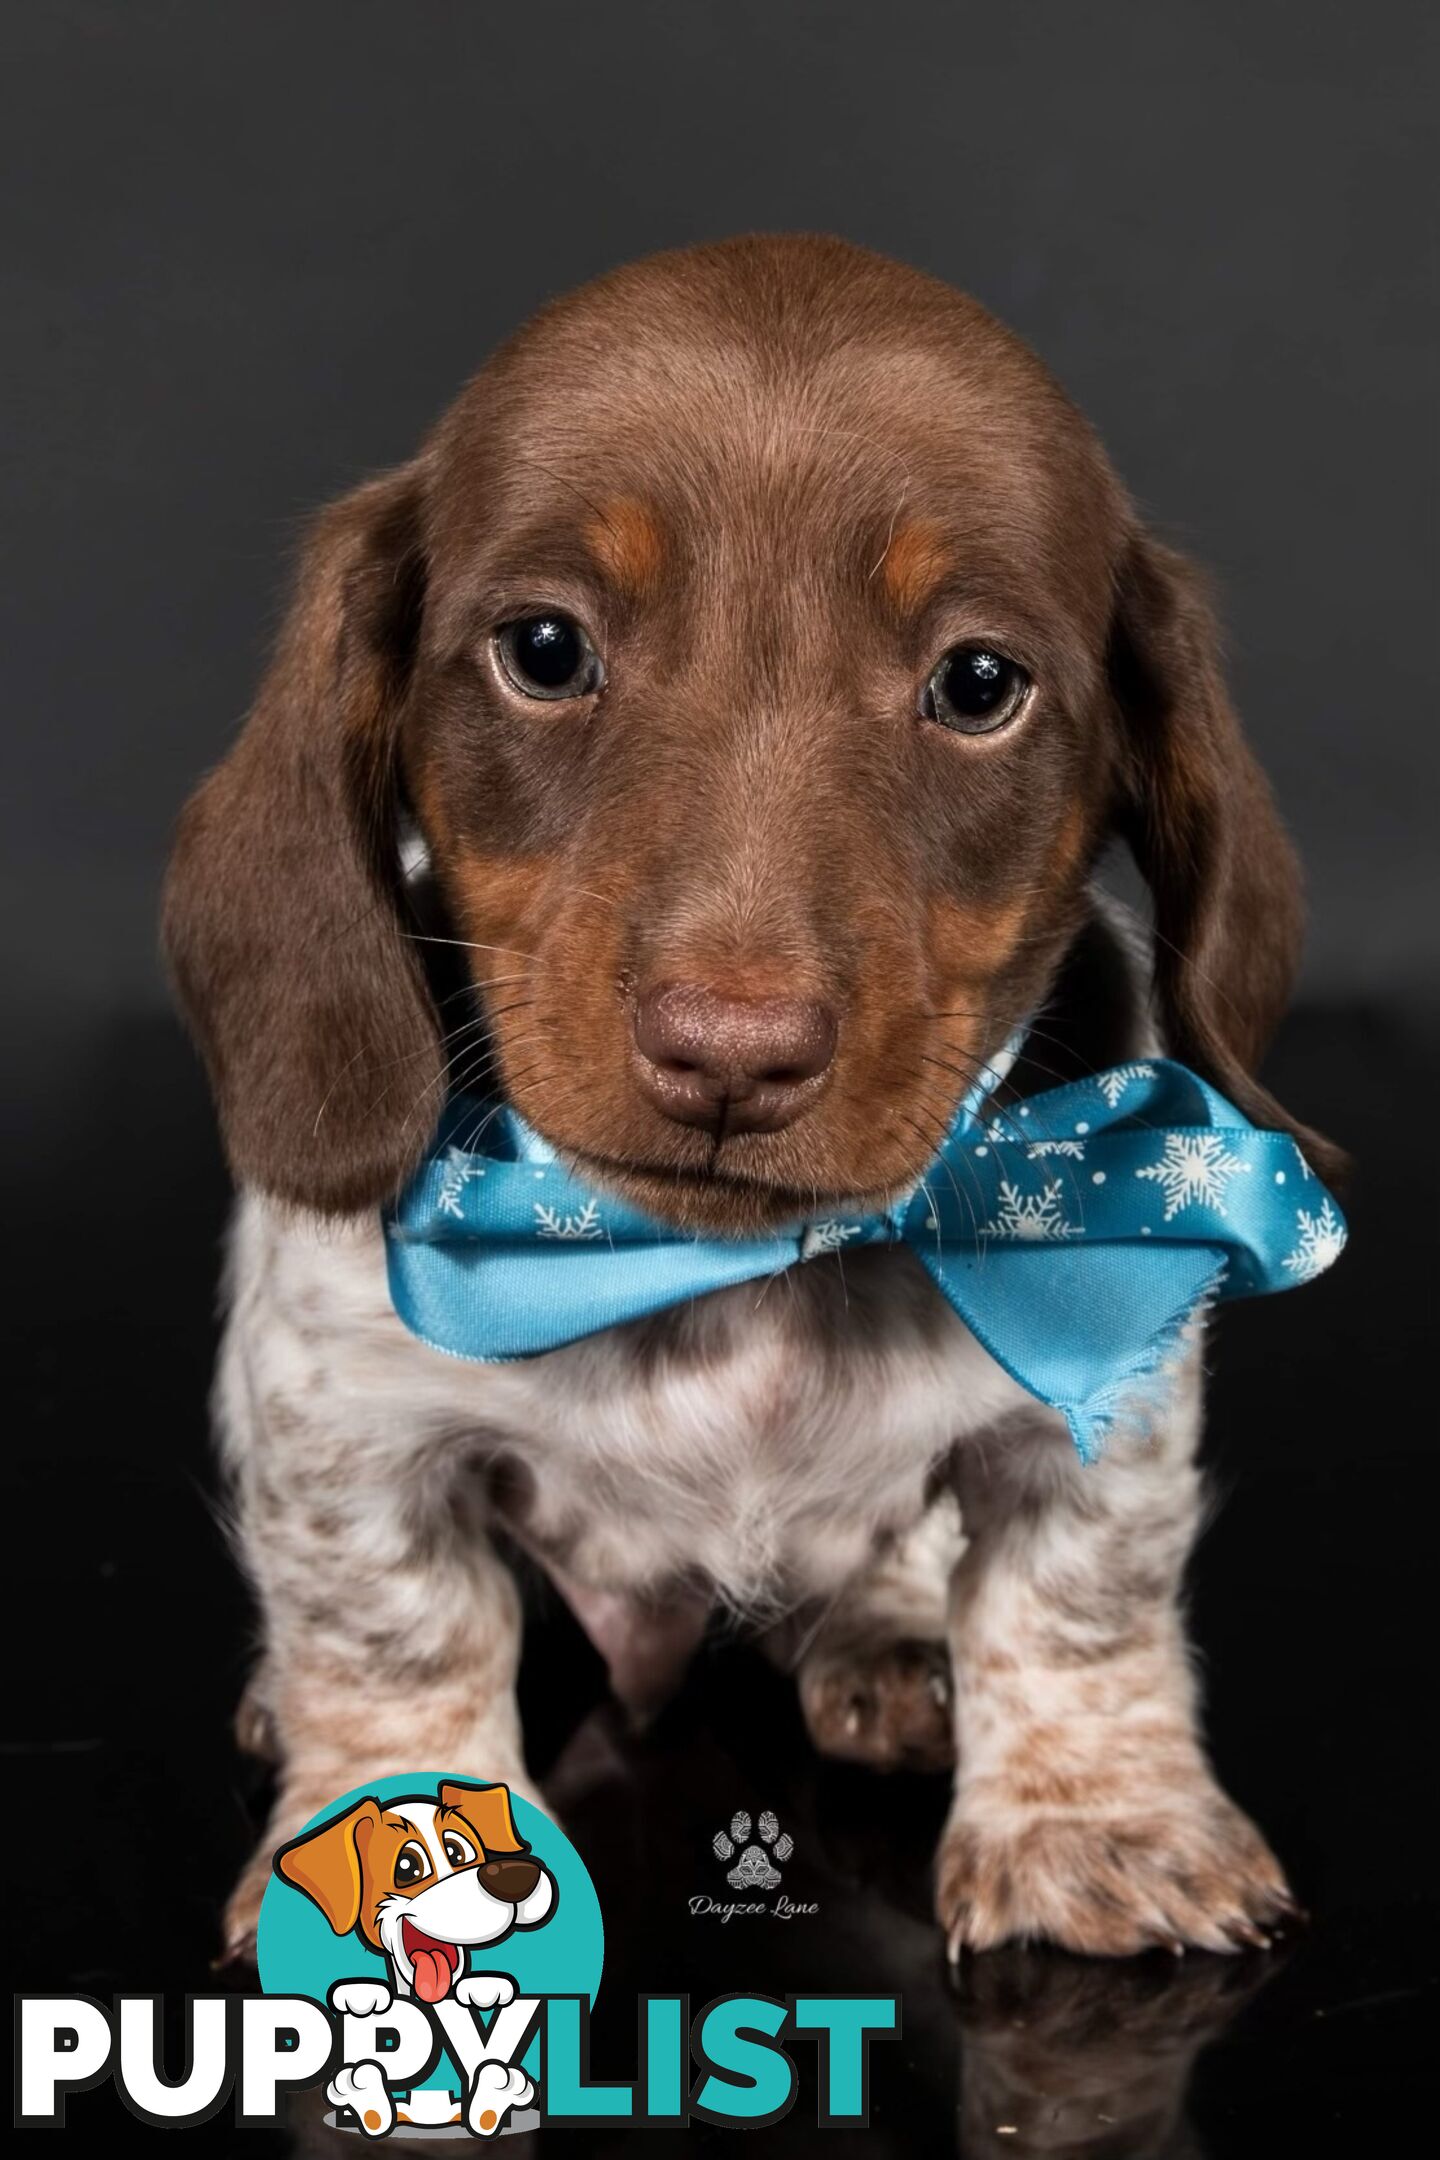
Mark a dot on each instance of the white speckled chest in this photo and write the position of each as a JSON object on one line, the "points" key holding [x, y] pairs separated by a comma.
{"points": [[763, 1440]]}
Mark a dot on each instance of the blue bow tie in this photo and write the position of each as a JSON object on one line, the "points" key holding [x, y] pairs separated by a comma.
{"points": [[1078, 1235]]}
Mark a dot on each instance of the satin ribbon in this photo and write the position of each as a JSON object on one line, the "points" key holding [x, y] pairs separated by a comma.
{"points": [[1079, 1235]]}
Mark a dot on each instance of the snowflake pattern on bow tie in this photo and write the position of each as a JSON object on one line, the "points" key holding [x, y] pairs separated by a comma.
{"points": [[1195, 1169], [826, 1237], [583, 1226], [458, 1170], [1113, 1084], [1030, 1217], [1320, 1240]]}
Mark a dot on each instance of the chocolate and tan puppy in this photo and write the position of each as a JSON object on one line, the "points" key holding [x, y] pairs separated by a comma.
{"points": [[741, 683]]}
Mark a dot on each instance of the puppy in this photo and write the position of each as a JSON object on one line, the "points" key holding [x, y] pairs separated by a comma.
{"points": [[740, 685], [422, 1881]]}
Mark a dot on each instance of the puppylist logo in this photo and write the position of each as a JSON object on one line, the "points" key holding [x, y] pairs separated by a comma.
{"points": [[430, 1949]]}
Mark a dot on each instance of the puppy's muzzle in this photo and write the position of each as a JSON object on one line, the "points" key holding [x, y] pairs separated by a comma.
{"points": [[731, 1064]]}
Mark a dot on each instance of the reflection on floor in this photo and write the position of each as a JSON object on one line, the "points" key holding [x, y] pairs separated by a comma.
{"points": [[1313, 1599]]}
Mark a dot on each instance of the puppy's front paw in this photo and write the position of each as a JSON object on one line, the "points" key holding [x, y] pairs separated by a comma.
{"points": [[362, 2086], [360, 1998], [498, 2087], [887, 1705], [1192, 1870], [485, 1991]]}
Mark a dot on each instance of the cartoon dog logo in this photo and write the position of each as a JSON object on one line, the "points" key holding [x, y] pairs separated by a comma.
{"points": [[423, 1880]]}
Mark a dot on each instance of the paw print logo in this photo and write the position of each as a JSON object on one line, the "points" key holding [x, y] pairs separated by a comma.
{"points": [[755, 1869]]}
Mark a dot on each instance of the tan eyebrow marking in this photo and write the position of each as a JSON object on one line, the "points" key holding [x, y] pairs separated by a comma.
{"points": [[626, 541], [914, 563]]}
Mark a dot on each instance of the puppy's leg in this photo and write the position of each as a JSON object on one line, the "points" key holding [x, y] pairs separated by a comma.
{"points": [[392, 1647], [391, 1626], [873, 1669], [1085, 1810]]}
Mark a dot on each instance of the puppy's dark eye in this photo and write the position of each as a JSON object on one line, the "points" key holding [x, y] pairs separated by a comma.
{"points": [[458, 1850], [549, 656], [412, 1865], [974, 690]]}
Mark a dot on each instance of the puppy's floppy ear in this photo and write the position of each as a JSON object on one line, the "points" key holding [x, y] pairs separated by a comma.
{"points": [[486, 1808], [328, 1863], [282, 918], [1203, 828]]}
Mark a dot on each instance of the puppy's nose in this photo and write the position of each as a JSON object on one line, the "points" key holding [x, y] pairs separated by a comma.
{"points": [[735, 1064], [509, 1879]]}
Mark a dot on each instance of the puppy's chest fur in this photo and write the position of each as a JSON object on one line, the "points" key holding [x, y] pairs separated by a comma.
{"points": [[763, 1443]]}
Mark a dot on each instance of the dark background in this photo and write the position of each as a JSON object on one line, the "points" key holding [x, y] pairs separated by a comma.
{"points": [[249, 253]]}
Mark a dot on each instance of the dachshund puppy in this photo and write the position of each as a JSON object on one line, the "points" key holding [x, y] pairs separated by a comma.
{"points": [[740, 685]]}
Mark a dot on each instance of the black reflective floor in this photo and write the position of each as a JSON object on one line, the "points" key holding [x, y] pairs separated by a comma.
{"points": [[1313, 1601]]}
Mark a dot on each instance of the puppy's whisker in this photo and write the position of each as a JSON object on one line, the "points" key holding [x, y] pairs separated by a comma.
{"points": [[425, 937], [455, 1037], [1051, 1072], [1033, 1032], [878, 565], [473, 1072], [493, 1061], [453, 1032], [347, 1067]]}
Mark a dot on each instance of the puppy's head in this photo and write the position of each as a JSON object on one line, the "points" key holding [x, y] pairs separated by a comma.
{"points": [[421, 1880], [763, 650]]}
